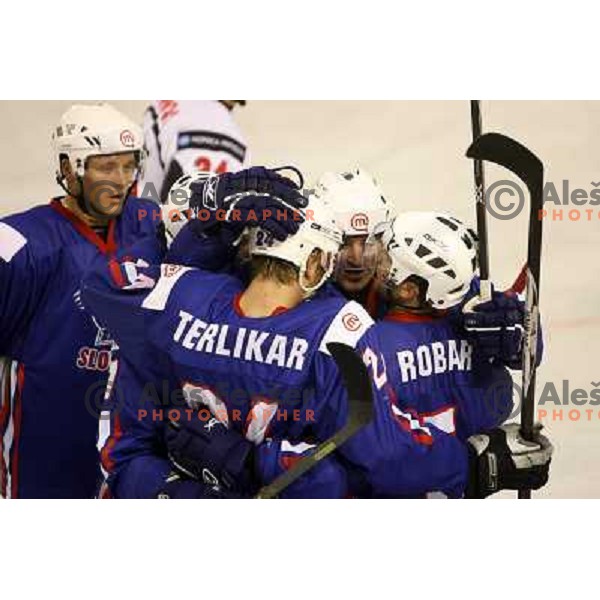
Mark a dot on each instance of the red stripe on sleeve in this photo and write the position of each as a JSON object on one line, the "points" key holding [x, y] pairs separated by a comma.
{"points": [[105, 454], [14, 461]]}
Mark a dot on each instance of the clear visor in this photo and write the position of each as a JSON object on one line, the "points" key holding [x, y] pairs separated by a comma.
{"points": [[359, 255]]}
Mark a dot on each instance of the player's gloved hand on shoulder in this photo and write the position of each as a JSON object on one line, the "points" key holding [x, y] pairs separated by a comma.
{"points": [[178, 487], [495, 328], [210, 452], [253, 197], [502, 460]]}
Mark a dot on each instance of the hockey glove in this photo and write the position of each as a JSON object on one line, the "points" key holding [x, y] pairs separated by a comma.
{"points": [[495, 328], [229, 203], [502, 460], [211, 453], [177, 487]]}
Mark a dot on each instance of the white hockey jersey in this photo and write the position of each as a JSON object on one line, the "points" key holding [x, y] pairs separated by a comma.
{"points": [[182, 136]]}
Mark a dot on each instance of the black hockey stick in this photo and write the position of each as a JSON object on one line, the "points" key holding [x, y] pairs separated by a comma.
{"points": [[512, 155], [360, 412], [485, 288]]}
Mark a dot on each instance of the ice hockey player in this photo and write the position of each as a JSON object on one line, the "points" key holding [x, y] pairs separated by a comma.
{"points": [[430, 262], [260, 385], [57, 358], [359, 208], [184, 136]]}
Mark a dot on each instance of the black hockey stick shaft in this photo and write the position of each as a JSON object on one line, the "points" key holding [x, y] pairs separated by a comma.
{"points": [[512, 155], [357, 382], [480, 209]]}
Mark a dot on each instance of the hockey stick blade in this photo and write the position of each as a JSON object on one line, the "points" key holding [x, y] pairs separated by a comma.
{"points": [[357, 382], [510, 154]]}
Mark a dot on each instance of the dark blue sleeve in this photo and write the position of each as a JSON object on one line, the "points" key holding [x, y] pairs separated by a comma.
{"points": [[134, 456], [192, 248], [486, 402], [328, 479], [114, 291], [24, 278], [396, 453]]}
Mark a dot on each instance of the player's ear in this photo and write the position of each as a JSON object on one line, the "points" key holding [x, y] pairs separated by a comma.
{"points": [[66, 170], [408, 292], [69, 175], [314, 268]]}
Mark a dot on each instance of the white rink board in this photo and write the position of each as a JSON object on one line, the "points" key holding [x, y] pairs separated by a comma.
{"points": [[416, 151]]}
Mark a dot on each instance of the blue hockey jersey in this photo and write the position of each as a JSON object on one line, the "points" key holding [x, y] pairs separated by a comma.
{"points": [[435, 373], [272, 379], [56, 356]]}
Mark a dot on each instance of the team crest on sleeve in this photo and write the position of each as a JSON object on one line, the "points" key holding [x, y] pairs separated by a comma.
{"points": [[351, 322], [171, 270], [170, 274], [135, 275]]}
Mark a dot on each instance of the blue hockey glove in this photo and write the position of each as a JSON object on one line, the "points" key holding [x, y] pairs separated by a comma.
{"points": [[254, 197], [210, 452], [177, 487], [495, 328]]}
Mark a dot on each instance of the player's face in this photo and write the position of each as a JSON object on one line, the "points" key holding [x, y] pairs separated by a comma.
{"points": [[107, 180], [355, 267]]}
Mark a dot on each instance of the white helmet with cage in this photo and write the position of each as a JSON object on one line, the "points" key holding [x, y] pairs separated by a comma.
{"points": [[318, 231], [94, 130], [437, 248], [356, 200]]}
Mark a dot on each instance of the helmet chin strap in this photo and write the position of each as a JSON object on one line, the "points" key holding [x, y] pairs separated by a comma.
{"points": [[423, 309], [79, 198]]}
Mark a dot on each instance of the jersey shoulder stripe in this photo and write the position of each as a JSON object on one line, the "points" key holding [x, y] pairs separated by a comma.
{"points": [[348, 326], [11, 241]]}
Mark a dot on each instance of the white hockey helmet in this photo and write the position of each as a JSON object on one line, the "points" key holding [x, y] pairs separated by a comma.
{"points": [[318, 231], [356, 200], [176, 211], [436, 247], [92, 130]]}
